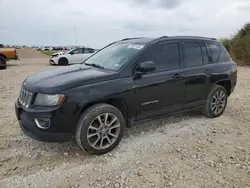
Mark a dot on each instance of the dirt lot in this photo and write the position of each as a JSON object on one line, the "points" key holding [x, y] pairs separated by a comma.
{"points": [[185, 150]]}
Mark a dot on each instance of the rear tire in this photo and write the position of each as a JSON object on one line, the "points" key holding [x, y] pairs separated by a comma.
{"points": [[216, 102], [3, 63], [63, 61], [100, 129]]}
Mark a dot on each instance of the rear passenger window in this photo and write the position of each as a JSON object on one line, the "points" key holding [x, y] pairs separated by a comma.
{"points": [[214, 51], [165, 56], [192, 54], [204, 54], [88, 50]]}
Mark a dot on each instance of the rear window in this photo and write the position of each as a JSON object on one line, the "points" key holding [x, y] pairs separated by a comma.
{"points": [[214, 51]]}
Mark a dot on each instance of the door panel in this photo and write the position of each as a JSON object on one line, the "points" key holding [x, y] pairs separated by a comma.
{"points": [[78, 58], [195, 83], [194, 72], [159, 93], [84, 56]]}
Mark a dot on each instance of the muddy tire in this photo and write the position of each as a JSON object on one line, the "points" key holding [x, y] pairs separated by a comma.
{"points": [[100, 129], [216, 102], [3, 63]]}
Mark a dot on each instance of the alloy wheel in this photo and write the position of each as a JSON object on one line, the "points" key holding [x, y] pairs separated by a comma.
{"points": [[103, 131], [218, 102]]}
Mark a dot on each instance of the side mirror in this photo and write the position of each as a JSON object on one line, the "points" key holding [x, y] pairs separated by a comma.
{"points": [[147, 66]]}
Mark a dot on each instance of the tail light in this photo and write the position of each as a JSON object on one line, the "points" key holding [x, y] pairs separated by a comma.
{"points": [[15, 51]]}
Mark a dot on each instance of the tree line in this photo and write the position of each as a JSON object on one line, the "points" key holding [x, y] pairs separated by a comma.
{"points": [[239, 45]]}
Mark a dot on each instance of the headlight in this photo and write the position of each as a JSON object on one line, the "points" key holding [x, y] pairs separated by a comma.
{"points": [[48, 99]]}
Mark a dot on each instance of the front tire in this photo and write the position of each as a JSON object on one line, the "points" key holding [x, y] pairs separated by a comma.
{"points": [[100, 129], [216, 102], [63, 61], [3, 63]]}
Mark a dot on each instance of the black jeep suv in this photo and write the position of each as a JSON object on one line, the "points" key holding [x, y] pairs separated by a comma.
{"points": [[126, 82]]}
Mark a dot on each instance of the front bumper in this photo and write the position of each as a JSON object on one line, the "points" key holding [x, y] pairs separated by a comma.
{"points": [[28, 126], [53, 60]]}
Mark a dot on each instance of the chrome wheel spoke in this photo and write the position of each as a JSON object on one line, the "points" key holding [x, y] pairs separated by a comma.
{"points": [[113, 120], [97, 140], [92, 135], [113, 135], [109, 141], [217, 109], [114, 126], [213, 108], [99, 120], [101, 143], [106, 118], [93, 128]]}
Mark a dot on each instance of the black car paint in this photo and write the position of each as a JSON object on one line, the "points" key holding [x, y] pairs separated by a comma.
{"points": [[143, 96], [63, 78]]}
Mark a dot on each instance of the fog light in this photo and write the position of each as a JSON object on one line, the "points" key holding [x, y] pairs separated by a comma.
{"points": [[42, 123]]}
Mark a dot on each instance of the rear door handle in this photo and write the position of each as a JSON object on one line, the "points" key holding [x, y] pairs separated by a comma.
{"points": [[177, 76]]}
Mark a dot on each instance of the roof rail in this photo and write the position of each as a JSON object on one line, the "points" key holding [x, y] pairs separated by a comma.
{"points": [[198, 37], [131, 38], [162, 37]]}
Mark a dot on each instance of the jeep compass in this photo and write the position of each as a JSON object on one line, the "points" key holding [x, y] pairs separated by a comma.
{"points": [[128, 81]]}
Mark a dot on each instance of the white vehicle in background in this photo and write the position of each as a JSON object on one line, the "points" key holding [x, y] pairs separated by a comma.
{"points": [[47, 48], [77, 55]]}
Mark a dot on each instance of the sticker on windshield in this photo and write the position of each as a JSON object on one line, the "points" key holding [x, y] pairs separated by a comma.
{"points": [[138, 47]]}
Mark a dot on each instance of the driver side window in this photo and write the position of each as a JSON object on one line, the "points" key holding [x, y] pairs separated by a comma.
{"points": [[164, 55]]}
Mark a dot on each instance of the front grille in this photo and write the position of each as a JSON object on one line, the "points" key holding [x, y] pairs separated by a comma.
{"points": [[25, 97]]}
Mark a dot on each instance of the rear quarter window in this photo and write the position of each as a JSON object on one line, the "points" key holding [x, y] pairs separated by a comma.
{"points": [[214, 50], [224, 55]]}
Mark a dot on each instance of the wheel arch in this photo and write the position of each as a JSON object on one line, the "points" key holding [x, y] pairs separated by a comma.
{"points": [[2, 55], [226, 84], [119, 103]]}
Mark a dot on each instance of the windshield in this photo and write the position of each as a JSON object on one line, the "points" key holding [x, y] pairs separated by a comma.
{"points": [[114, 56], [67, 52]]}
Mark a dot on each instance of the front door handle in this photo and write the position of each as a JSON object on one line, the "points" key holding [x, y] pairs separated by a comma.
{"points": [[177, 76]]}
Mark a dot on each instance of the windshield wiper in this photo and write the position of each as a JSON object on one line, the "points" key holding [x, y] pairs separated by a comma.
{"points": [[94, 65]]}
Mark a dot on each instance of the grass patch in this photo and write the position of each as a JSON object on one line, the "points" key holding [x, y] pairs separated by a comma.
{"points": [[49, 53]]}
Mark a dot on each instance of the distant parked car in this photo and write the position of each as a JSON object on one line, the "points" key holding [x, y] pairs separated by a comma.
{"points": [[7, 54], [47, 48], [77, 55], [58, 48]]}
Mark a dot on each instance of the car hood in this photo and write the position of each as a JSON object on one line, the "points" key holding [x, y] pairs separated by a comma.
{"points": [[59, 79], [58, 53]]}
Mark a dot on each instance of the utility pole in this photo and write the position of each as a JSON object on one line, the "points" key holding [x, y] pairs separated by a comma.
{"points": [[75, 34]]}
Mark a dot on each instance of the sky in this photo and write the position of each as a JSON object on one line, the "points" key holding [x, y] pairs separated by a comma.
{"points": [[96, 23]]}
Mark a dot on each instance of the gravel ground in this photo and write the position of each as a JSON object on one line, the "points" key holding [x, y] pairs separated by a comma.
{"points": [[185, 150]]}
